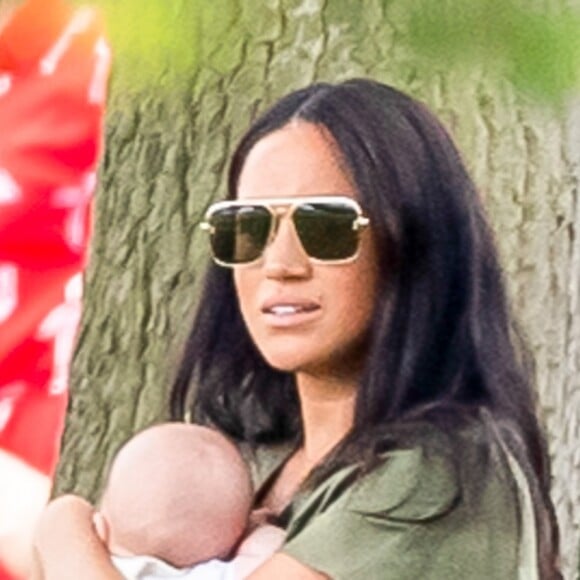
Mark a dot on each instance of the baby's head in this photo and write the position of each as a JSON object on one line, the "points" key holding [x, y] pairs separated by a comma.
{"points": [[179, 492]]}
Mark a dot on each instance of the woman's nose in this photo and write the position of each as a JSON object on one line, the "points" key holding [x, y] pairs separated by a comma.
{"points": [[284, 257]]}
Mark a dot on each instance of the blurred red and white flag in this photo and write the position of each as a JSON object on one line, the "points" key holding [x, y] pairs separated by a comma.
{"points": [[54, 65]]}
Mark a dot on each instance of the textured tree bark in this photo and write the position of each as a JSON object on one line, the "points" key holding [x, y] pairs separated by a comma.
{"points": [[165, 161]]}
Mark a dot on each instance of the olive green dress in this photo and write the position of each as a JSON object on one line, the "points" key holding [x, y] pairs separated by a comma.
{"points": [[441, 507]]}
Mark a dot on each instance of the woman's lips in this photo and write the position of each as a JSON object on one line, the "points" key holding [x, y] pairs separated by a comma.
{"points": [[286, 313]]}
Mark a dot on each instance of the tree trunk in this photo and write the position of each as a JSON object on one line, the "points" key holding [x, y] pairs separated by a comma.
{"points": [[166, 154]]}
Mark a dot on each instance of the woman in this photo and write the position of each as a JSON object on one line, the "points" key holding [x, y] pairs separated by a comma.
{"points": [[358, 345]]}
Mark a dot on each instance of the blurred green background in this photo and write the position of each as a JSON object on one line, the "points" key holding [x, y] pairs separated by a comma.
{"points": [[535, 47]]}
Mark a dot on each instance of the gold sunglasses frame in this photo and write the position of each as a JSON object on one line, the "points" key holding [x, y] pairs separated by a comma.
{"points": [[280, 207]]}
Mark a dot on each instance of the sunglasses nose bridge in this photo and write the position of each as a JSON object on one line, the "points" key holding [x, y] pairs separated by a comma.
{"points": [[278, 213], [284, 251]]}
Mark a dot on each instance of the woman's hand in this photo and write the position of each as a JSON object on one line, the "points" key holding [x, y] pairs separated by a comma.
{"points": [[67, 545], [257, 557], [259, 545], [285, 567]]}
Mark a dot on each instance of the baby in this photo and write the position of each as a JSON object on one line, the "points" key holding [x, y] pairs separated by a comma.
{"points": [[177, 503]]}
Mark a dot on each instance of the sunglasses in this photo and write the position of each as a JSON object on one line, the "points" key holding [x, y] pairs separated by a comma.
{"points": [[328, 228]]}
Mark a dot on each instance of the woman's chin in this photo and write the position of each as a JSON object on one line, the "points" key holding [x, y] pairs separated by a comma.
{"points": [[321, 361], [283, 364], [287, 361]]}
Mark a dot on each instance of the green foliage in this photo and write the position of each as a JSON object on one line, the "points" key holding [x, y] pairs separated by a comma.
{"points": [[544, 54], [152, 39], [166, 41], [538, 50], [163, 41]]}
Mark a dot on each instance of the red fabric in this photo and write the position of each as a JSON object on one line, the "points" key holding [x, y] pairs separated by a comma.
{"points": [[54, 65], [4, 574]]}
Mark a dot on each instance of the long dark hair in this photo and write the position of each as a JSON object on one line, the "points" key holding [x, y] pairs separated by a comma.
{"points": [[443, 344]]}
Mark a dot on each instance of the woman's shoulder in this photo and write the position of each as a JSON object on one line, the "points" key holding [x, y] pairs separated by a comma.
{"points": [[423, 469], [425, 472], [440, 502], [434, 470]]}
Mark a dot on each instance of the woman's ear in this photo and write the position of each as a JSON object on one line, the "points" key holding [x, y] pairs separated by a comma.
{"points": [[101, 527]]}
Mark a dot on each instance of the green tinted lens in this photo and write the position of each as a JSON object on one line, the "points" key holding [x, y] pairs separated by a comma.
{"points": [[239, 233], [326, 230]]}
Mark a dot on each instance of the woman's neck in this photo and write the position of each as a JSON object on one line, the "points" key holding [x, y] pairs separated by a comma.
{"points": [[327, 408]]}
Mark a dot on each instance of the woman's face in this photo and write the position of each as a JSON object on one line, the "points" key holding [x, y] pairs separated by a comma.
{"points": [[304, 316]]}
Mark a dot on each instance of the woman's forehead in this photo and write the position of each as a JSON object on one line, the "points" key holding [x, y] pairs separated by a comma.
{"points": [[301, 159]]}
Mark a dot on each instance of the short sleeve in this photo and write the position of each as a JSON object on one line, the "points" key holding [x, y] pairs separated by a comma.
{"points": [[417, 515]]}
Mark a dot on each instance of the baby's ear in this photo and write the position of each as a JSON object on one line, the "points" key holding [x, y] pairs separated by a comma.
{"points": [[101, 526]]}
